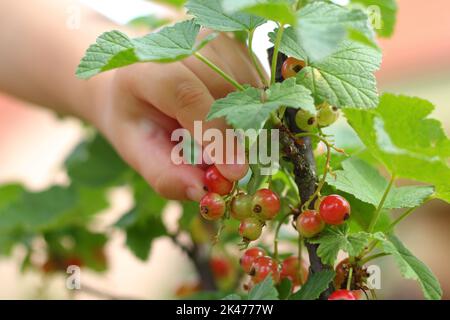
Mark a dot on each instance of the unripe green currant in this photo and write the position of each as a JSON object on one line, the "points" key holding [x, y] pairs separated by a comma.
{"points": [[241, 206], [327, 114], [309, 223], [265, 204], [291, 66], [305, 120], [212, 206], [249, 256], [250, 229]]}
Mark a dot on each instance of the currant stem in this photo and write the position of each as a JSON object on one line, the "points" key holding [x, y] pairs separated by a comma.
{"points": [[300, 257], [277, 231], [222, 73], [403, 216], [349, 280], [276, 48], [377, 213], [372, 257], [254, 59], [327, 167]]}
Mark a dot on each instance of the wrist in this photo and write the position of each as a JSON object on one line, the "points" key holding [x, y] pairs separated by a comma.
{"points": [[93, 100]]}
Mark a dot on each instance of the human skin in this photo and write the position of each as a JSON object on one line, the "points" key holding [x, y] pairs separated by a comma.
{"points": [[137, 107]]}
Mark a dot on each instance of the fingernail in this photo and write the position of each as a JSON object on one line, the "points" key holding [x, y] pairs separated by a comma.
{"points": [[195, 193], [236, 171]]}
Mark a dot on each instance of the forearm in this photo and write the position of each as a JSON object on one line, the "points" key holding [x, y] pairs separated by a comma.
{"points": [[40, 54]]}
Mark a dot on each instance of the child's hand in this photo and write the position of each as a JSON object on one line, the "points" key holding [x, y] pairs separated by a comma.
{"points": [[144, 103]]}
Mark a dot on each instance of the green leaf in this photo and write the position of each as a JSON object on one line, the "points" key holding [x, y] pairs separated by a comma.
{"points": [[387, 9], [362, 215], [141, 232], [115, 49], [264, 290], [148, 21], [289, 44], [79, 242], [51, 209], [209, 13], [95, 163], [232, 296], [284, 289], [314, 286], [411, 267], [276, 10], [366, 183], [400, 134], [323, 26], [245, 109], [9, 194], [190, 211], [346, 78], [333, 239], [175, 3], [143, 223]]}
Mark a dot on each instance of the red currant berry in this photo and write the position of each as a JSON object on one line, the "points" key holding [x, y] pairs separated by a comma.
{"points": [[334, 209], [262, 267], [309, 223], [250, 229], [327, 114], [305, 120], [241, 206], [212, 206], [220, 267], [342, 294], [265, 204], [291, 67], [250, 255], [216, 182], [292, 269]]}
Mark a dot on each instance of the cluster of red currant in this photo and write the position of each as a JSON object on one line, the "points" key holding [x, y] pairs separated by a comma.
{"points": [[333, 210], [251, 210], [256, 263], [326, 114]]}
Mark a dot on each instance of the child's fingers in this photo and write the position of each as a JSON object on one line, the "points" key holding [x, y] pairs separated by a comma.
{"points": [[145, 144], [217, 86], [177, 92], [238, 62]]}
